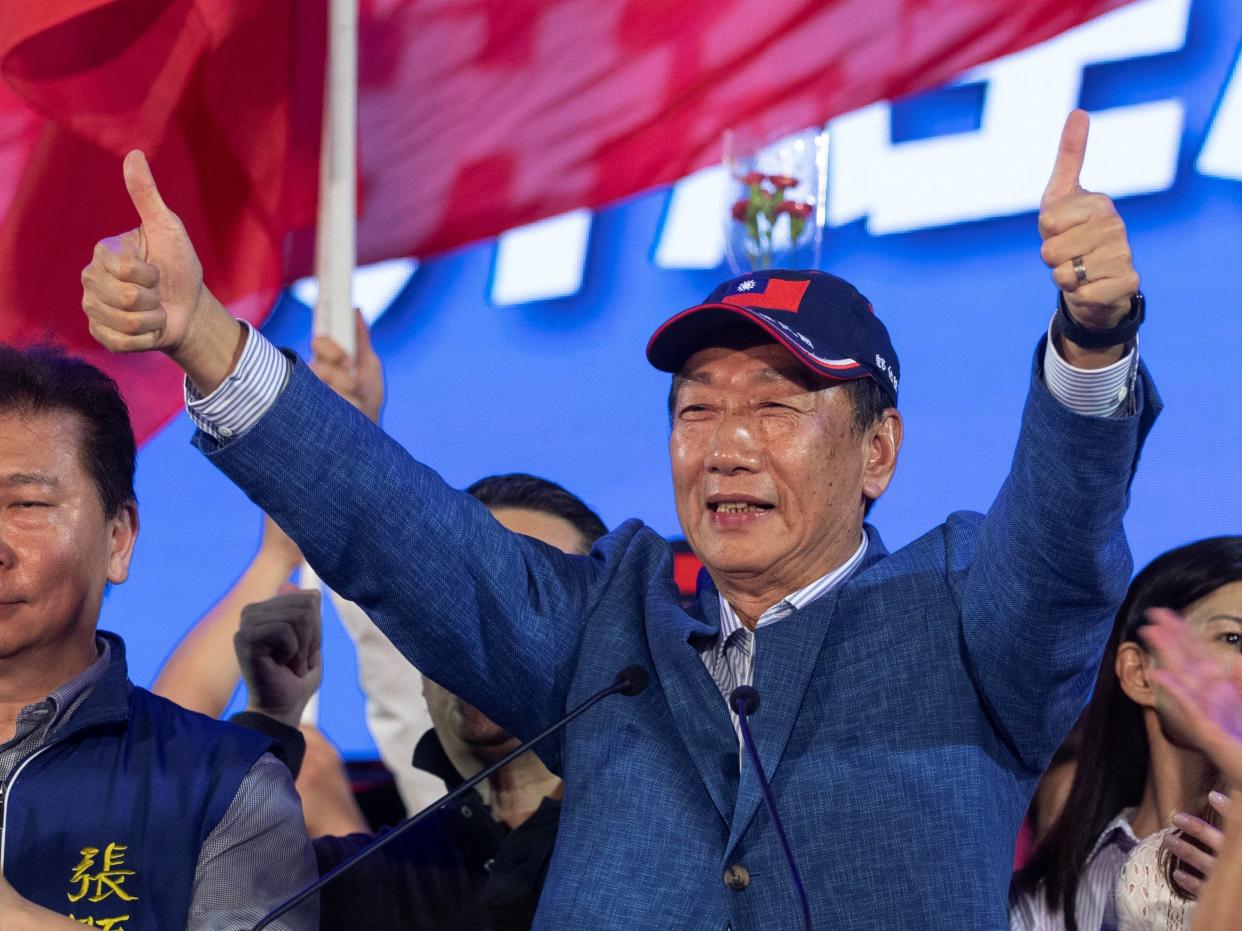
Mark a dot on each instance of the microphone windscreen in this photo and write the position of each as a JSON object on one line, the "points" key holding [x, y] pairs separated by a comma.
{"points": [[633, 678], [744, 700]]}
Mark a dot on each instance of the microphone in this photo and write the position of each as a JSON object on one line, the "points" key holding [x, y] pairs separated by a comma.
{"points": [[630, 681], [744, 700]]}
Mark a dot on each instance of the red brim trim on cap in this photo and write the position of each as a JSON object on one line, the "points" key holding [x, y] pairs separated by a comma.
{"points": [[847, 372]]}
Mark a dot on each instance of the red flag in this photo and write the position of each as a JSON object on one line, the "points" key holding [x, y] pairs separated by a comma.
{"points": [[474, 116], [207, 90]]}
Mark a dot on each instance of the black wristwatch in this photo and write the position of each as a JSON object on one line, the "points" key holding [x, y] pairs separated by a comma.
{"points": [[1123, 332]]}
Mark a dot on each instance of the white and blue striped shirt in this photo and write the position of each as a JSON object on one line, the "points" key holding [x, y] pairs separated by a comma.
{"points": [[730, 658], [1095, 906]]}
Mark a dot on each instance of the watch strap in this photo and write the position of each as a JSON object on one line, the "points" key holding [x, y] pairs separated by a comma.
{"points": [[1124, 331]]}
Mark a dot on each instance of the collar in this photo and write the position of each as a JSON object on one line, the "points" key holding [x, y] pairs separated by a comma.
{"points": [[63, 696], [429, 756], [108, 699], [1117, 831], [794, 601]]}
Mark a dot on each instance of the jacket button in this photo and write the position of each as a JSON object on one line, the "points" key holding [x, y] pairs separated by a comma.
{"points": [[737, 877]]}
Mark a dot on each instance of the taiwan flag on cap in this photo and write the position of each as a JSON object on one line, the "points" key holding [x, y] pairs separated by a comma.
{"points": [[821, 319]]}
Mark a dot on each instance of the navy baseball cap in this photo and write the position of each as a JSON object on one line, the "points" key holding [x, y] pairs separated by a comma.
{"points": [[821, 319]]}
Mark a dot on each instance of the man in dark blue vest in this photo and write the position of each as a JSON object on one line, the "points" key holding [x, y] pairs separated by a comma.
{"points": [[120, 809]]}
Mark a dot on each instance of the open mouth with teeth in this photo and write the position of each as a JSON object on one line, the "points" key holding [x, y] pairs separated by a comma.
{"points": [[738, 507]]}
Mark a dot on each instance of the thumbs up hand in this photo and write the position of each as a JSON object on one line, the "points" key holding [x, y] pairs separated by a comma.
{"points": [[1085, 242], [143, 290]]}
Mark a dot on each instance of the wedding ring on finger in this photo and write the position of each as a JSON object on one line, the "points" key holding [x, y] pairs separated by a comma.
{"points": [[1080, 270]]}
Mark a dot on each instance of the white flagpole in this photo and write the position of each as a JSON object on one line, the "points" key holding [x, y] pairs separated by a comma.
{"points": [[335, 233], [335, 250]]}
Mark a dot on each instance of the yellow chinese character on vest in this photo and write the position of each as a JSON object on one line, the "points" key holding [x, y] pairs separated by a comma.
{"points": [[108, 924], [107, 881]]}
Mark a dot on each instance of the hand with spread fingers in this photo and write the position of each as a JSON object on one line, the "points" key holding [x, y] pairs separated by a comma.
{"points": [[278, 649], [143, 290], [1084, 240], [1205, 695]]}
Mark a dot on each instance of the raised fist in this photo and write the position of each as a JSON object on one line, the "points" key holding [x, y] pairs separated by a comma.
{"points": [[278, 650]]}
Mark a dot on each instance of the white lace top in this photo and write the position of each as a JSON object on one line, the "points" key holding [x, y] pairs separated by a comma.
{"points": [[1145, 899]]}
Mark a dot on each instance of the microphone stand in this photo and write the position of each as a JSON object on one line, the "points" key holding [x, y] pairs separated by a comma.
{"points": [[630, 681], [745, 701]]}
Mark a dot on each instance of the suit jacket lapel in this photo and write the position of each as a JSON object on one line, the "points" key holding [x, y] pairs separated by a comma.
{"points": [[786, 654], [697, 708]]}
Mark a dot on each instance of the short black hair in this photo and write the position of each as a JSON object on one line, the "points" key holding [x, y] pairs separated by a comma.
{"points": [[46, 379], [870, 402], [531, 493]]}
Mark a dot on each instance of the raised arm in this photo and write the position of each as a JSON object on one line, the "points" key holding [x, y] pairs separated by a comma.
{"points": [[491, 615], [201, 673], [1050, 562]]}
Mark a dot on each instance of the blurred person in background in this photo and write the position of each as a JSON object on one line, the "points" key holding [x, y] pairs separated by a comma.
{"points": [[480, 864], [1049, 797], [1201, 693], [1133, 774]]}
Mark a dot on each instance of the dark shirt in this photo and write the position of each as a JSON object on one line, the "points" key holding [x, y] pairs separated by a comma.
{"points": [[459, 869]]}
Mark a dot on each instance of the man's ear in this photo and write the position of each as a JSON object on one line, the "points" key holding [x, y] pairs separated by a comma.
{"points": [[1132, 666], [883, 444], [124, 532]]}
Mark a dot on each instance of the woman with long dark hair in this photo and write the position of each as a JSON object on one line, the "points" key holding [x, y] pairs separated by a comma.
{"points": [[1132, 774]]}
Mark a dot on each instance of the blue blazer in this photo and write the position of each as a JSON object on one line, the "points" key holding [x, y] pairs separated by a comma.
{"points": [[906, 716]]}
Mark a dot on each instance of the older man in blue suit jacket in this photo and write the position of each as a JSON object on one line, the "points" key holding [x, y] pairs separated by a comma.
{"points": [[910, 699]]}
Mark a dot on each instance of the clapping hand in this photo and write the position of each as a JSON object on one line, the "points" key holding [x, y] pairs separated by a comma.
{"points": [[1202, 858], [1205, 695]]}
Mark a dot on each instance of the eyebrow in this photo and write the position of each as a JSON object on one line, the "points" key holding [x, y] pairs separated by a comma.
{"points": [[1224, 617], [45, 479]]}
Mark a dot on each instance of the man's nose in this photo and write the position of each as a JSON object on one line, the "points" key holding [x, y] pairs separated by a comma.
{"points": [[734, 447], [8, 555]]}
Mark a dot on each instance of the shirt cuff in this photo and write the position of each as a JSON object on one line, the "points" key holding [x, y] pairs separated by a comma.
{"points": [[236, 405], [1106, 392], [288, 744]]}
